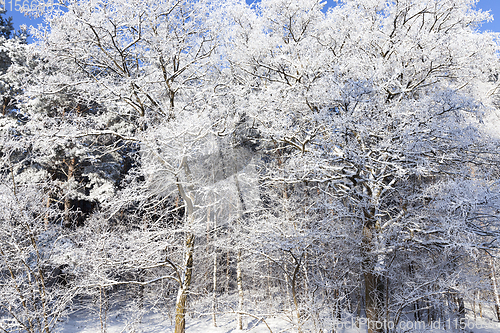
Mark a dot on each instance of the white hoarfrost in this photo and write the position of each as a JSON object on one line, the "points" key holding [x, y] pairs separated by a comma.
{"points": [[267, 167]]}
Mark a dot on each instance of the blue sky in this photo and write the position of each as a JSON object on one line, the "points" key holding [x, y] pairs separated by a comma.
{"points": [[491, 5], [494, 7]]}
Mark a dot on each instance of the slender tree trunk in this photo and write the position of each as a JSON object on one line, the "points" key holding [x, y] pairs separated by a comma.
{"points": [[46, 217], [268, 281], [358, 306], [480, 307], [141, 298], [474, 305], [494, 282], [461, 307], [67, 202], [228, 270], [103, 309], [287, 282], [306, 275], [294, 296], [336, 307], [214, 298], [5, 104], [187, 273], [239, 277], [387, 314], [239, 281], [180, 306]]}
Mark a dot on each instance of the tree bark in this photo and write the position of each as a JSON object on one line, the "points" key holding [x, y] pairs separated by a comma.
{"points": [[187, 273], [103, 309], [239, 281], [180, 306], [373, 296], [46, 217], [5, 104], [494, 282], [214, 298], [228, 268], [67, 203], [239, 277], [294, 295]]}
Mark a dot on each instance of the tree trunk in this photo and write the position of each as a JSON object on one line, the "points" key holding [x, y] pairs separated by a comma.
{"points": [[239, 281], [373, 296], [180, 306], [474, 305], [239, 278], [268, 281], [214, 299], [67, 203], [228, 268], [480, 307], [461, 307], [294, 295], [5, 103], [187, 274], [387, 300], [287, 285], [46, 217], [103, 309], [494, 282]]}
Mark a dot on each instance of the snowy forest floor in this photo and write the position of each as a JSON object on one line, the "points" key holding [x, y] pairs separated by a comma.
{"points": [[129, 322], [155, 323]]}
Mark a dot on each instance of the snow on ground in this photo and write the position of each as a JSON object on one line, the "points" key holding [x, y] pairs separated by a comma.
{"points": [[130, 322], [81, 322]]}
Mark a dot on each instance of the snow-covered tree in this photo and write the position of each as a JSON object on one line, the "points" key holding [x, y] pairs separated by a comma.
{"points": [[345, 155], [155, 65], [35, 290], [377, 104], [12, 54]]}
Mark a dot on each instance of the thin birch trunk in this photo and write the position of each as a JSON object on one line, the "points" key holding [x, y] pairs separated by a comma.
{"points": [[287, 282], [480, 307], [494, 282], [268, 281], [180, 306], [227, 270], [239, 282], [294, 295], [214, 298], [46, 217], [474, 305], [239, 277], [387, 315], [187, 273], [358, 306], [306, 275]]}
